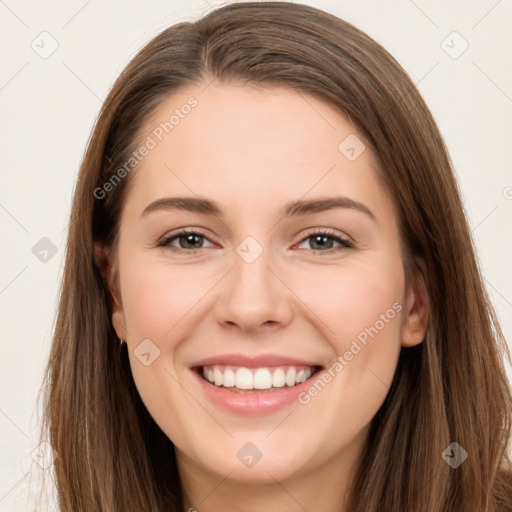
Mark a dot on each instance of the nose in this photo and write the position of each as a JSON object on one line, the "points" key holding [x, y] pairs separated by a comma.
{"points": [[253, 297]]}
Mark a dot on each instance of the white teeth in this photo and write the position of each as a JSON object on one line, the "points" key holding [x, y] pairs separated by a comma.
{"points": [[290, 376], [278, 378], [256, 378], [262, 379], [243, 379], [229, 378], [217, 377]]}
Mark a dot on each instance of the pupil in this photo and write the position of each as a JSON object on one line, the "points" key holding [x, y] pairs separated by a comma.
{"points": [[322, 239], [190, 239]]}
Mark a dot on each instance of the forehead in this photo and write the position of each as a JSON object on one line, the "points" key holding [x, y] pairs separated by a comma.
{"points": [[257, 121], [243, 144]]}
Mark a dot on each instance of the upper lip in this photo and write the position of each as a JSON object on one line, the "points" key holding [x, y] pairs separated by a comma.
{"points": [[254, 361]]}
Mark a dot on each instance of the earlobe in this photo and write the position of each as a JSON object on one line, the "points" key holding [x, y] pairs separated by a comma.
{"points": [[108, 273], [415, 322], [118, 318]]}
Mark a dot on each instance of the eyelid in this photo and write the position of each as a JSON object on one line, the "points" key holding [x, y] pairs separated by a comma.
{"points": [[345, 241], [179, 231], [325, 231], [165, 239]]}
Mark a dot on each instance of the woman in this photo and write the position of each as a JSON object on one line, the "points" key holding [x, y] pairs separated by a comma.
{"points": [[207, 355]]}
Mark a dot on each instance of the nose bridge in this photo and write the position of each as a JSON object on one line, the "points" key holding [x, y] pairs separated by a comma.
{"points": [[253, 295], [252, 272]]}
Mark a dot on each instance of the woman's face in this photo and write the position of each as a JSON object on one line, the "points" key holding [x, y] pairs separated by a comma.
{"points": [[259, 297]]}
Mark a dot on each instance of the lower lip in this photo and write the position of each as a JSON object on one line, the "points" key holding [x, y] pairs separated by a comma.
{"points": [[258, 403]]}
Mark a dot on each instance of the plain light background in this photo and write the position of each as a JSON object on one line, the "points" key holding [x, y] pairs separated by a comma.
{"points": [[49, 104]]}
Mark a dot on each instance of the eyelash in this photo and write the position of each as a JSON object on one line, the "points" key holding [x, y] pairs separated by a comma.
{"points": [[345, 244]]}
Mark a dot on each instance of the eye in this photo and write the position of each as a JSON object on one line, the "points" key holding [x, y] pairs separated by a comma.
{"points": [[322, 240], [188, 240]]}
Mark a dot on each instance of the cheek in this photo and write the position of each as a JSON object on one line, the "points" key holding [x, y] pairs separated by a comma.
{"points": [[161, 303], [360, 311], [156, 297], [349, 299], [158, 303]]}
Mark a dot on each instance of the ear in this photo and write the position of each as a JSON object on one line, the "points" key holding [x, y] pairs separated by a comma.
{"points": [[417, 307], [110, 278]]}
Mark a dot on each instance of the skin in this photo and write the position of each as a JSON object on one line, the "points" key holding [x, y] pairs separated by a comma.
{"points": [[292, 300]]}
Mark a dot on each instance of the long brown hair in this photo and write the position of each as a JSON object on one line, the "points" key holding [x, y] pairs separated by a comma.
{"points": [[451, 388]]}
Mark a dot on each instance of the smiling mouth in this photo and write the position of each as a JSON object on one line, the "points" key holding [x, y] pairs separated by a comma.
{"points": [[256, 380]]}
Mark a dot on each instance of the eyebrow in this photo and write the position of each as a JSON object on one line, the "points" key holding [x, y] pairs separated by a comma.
{"points": [[292, 209]]}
